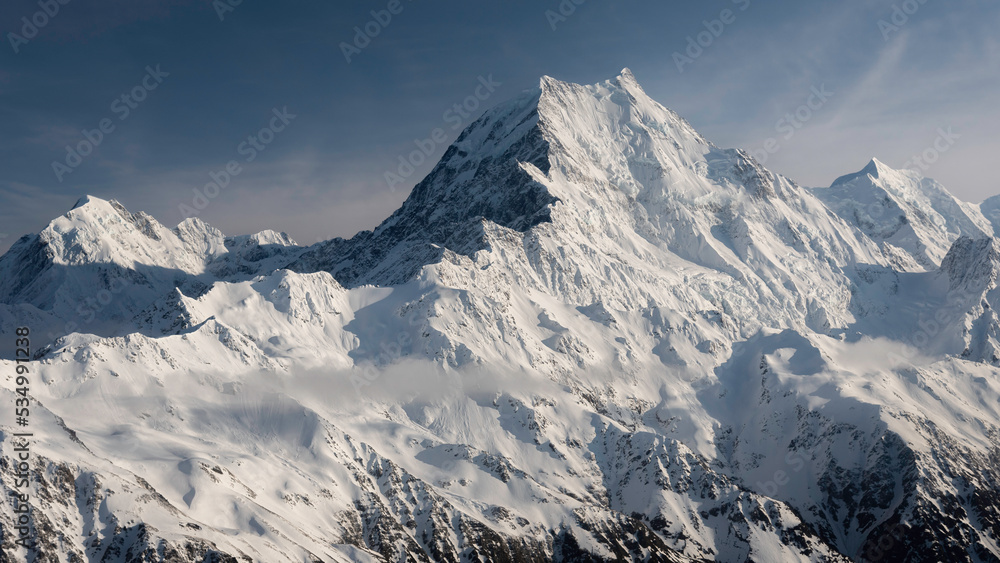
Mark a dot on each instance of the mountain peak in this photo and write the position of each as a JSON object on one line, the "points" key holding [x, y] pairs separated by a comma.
{"points": [[621, 166], [546, 82], [94, 202], [875, 168], [626, 79], [905, 210], [83, 201]]}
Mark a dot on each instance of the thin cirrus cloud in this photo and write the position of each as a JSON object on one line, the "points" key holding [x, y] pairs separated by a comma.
{"points": [[911, 93], [324, 175], [891, 96]]}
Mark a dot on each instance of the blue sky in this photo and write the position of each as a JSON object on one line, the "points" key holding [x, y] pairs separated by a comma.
{"points": [[892, 88]]}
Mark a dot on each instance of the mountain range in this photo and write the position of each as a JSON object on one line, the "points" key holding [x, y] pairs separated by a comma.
{"points": [[589, 334]]}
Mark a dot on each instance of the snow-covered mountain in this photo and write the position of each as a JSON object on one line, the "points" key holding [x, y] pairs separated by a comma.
{"points": [[588, 335], [990, 208], [913, 218]]}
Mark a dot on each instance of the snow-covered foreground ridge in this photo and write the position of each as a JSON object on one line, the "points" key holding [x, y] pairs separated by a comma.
{"points": [[588, 335]]}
